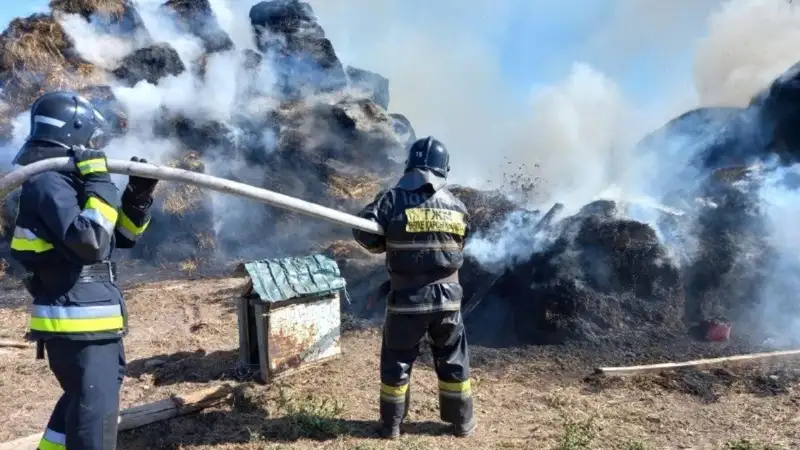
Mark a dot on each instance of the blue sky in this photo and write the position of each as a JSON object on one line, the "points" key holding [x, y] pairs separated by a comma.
{"points": [[541, 38]]}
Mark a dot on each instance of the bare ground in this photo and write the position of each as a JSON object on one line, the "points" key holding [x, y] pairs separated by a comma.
{"points": [[183, 337]]}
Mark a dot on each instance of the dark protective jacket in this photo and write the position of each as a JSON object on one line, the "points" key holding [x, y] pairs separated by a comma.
{"points": [[426, 228], [64, 224]]}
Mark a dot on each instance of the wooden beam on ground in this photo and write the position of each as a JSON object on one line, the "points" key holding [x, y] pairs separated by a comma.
{"points": [[139, 416], [15, 344], [636, 370]]}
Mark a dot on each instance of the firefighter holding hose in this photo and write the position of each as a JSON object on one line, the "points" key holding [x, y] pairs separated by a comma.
{"points": [[67, 227], [425, 228]]}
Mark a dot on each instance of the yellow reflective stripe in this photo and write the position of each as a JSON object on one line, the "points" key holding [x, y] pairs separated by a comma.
{"points": [[46, 325], [462, 386], [25, 240], [44, 444], [128, 229], [100, 213], [108, 212], [432, 220], [97, 165], [35, 245], [394, 391], [53, 440]]}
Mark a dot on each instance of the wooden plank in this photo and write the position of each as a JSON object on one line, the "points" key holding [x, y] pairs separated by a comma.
{"points": [[139, 416], [15, 344], [262, 331], [635, 370]]}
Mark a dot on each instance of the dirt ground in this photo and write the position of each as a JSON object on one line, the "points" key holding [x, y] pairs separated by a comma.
{"points": [[183, 337]]}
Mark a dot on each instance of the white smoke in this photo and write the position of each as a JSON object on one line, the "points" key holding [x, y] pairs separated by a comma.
{"points": [[749, 43], [446, 75]]}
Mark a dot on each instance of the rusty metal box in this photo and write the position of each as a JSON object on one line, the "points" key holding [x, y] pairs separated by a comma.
{"points": [[289, 315]]}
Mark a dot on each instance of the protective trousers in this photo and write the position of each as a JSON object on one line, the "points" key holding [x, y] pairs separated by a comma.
{"points": [[90, 373], [402, 335]]}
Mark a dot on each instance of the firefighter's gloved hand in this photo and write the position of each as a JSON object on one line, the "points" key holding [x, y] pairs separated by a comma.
{"points": [[139, 187], [91, 164]]}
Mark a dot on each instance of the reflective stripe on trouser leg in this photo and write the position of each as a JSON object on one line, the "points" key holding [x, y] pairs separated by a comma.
{"points": [[53, 440], [455, 401], [394, 403], [54, 437]]}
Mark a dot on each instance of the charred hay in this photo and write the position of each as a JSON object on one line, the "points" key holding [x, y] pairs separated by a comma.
{"points": [[150, 64], [603, 278]]}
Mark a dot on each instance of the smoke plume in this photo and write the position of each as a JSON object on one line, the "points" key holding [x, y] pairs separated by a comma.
{"points": [[628, 70]]}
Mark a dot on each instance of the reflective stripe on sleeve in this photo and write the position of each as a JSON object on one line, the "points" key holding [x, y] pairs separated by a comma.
{"points": [[127, 228], [97, 165], [76, 319], [53, 440], [25, 240], [100, 213]]}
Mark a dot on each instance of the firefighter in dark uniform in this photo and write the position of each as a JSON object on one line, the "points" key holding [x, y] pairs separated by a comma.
{"points": [[67, 226], [425, 228]]}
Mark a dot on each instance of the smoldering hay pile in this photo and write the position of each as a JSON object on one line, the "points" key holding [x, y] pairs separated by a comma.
{"points": [[295, 119], [300, 123]]}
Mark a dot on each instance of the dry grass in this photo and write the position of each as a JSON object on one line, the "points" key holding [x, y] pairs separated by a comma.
{"points": [[189, 265], [182, 198], [86, 8], [353, 188], [184, 337]]}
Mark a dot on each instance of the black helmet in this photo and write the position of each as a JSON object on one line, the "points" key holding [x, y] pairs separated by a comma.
{"points": [[63, 120], [429, 153]]}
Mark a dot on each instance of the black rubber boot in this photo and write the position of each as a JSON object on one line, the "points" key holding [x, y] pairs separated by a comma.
{"points": [[390, 431], [466, 429]]}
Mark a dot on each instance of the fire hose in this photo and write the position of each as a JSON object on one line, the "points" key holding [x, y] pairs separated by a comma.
{"points": [[12, 180]]}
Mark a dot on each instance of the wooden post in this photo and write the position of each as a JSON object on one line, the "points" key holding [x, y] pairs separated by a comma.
{"points": [[635, 370], [139, 416]]}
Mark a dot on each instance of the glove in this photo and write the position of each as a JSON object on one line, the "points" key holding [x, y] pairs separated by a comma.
{"points": [[91, 164], [140, 187]]}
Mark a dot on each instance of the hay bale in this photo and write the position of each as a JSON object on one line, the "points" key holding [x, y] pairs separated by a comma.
{"points": [[79, 78], [32, 47], [87, 8], [197, 17], [150, 64], [305, 59], [486, 208], [602, 279], [374, 86], [33, 44]]}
